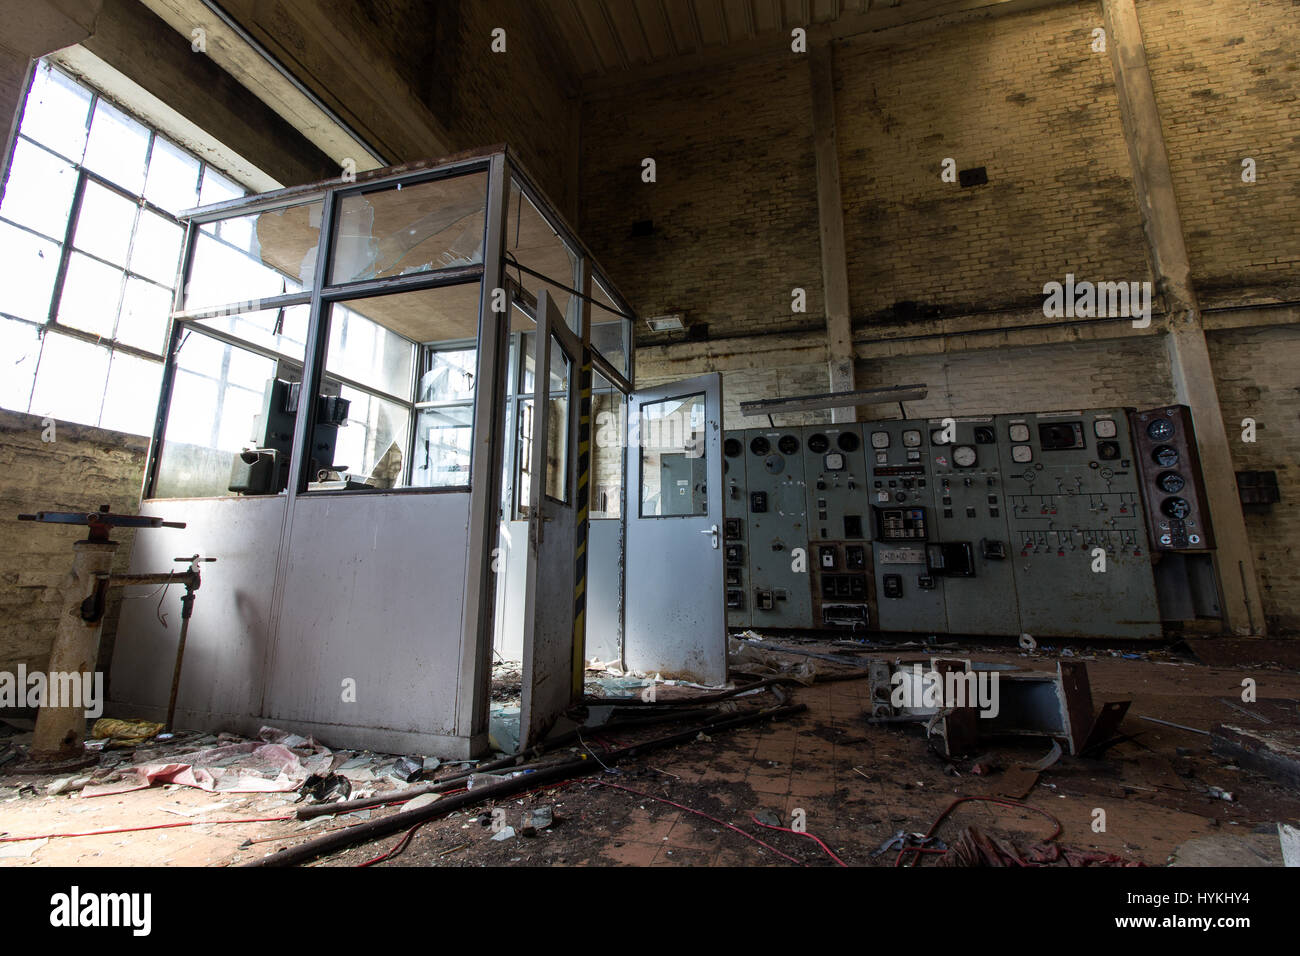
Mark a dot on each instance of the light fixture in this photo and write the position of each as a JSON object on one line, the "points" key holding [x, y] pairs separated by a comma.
{"points": [[672, 322]]}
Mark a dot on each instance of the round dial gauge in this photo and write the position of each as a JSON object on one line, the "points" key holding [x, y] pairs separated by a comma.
{"points": [[818, 443], [1104, 428], [880, 439], [1171, 481], [774, 464], [732, 447], [911, 438], [848, 441], [1178, 508], [1018, 433], [760, 445], [1165, 456], [1162, 429], [834, 461], [788, 444], [963, 456], [1021, 454], [937, 437]]}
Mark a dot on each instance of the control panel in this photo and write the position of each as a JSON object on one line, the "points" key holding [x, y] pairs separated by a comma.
{"points": [[1078, 544], [970, 550], [779, 587], [735, 523], [841, 584], [833, 470], [1172, 488], [909, 597]]}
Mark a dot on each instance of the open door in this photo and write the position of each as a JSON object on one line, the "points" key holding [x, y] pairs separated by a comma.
{"points": [[546, 466], [675, 612]]}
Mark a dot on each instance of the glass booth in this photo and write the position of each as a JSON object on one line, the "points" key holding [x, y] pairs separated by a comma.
{"points": [[349, 423]]}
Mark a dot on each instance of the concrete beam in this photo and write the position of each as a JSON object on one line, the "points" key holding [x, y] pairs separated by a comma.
{"points": [[1189, 356], [830, 214]]}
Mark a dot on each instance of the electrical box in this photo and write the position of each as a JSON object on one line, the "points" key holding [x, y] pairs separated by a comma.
{"points": [[1078, 542], [1173, 490], [778, 528], [735, 526]]}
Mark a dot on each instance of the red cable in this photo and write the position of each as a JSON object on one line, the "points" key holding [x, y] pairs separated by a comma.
{"points": [[156, 826], [1012, 804], [803, 834], [700, 813]]}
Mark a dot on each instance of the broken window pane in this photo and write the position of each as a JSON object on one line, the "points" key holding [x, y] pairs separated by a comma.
{"points": [[403, 230], [531, 241], [246, 258]]}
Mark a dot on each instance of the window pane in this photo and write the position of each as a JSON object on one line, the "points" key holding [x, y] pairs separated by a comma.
{"points": [[131, 399], [39, 192], [245, 258], [365, 351], [224, 399], [281, 330], [173, 181], [20, 348], [104, 224], [217, 188], [70, 380], [418, 228], [557, 430], [118, 147], [145, 311], [372, 445], [156, 251], [442, 447], [610, 340], [91, 291], [448, 375], [534, 243], [673, 461], [28, 265], [56, 113], [607, 409]]}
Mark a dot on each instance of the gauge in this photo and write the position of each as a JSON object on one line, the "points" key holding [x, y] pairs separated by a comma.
{"points": [[1171, 482], [818, 443], [1107, 474], [732, 447], [1165, 457], [1162, 429], [788, 444], [911, 438], [937, 437], [1018, 433], [1108, 450], [774, 464], [963, 456], [880, 439], [1178, 508], [1104, 428], [984, 435], [834, 461], [848, 441], [882, 457], [1021, 454], [760, 445]]}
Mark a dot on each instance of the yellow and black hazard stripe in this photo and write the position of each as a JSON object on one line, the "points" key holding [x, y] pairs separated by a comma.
{"points": [[584, 509]]}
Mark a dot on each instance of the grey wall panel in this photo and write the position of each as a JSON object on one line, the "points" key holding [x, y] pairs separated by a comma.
{"points": [[374, 588], [230, 632], [604, 581], [778, 525]]}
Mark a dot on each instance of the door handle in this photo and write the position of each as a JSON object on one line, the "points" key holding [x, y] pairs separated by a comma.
{"points": [[713, 531]]}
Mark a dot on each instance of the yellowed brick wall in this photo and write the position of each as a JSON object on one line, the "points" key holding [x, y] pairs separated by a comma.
{"points": [[1023, 96], [734, 207], [1255, 370], [1227, 80], [80, 470]]}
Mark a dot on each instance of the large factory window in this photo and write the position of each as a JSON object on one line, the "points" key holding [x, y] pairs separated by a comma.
{"points": [[89, 223]]}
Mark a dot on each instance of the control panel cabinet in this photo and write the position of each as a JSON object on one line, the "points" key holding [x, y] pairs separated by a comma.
{"points": [[909, 597], [970, 549], [735, 527], [1078, 540], [780, 591]]}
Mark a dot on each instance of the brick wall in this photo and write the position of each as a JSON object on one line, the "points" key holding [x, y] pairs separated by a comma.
{"points": [[1023, 96], [1255, 370], [1227, 82], [81, 469], [734, 206]]}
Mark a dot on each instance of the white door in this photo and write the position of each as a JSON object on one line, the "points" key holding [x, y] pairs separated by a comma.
{"points": [[675, 615], [548, 468]]}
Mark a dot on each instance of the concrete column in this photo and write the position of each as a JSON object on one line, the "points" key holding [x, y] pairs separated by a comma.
{"points": [[830, 212], [1189, 355]]}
